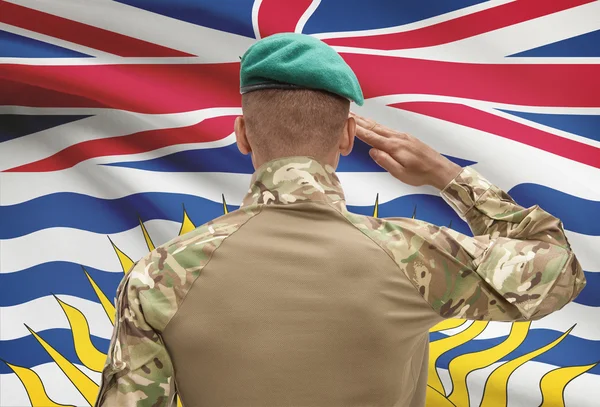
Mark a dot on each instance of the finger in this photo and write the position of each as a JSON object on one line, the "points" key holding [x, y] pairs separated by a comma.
{"points": [[369, 124], [378, 128], [374, 139], [387, 162]]}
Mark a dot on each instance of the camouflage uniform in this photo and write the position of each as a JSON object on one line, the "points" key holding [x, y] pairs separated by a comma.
{"points": [[519, 266]]}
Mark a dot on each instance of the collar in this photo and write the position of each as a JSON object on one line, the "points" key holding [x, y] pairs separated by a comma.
{"points": [[293, 179]]}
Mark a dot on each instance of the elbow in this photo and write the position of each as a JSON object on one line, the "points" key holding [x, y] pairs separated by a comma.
{"points": [[576, 276], [569, 280]]}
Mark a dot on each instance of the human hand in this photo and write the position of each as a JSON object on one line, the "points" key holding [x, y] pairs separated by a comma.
{"points": [[404, 156]]}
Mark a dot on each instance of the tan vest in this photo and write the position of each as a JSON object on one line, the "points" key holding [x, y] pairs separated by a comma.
{"points": [[299, 308]]}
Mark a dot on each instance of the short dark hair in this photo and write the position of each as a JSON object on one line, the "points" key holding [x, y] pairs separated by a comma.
{"points": [[284, 122]]}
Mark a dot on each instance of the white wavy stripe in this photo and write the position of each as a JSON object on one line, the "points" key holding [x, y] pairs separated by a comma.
{"points": [[306, 16], [417, 24], [82, 247], [524, 388], [55, 41], [493, 46], [211, 45], [255, 27], [58, 387], [45, 313], [112, 123]]}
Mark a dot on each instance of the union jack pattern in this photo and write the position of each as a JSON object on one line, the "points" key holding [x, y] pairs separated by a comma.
{"points": [[116, 125]]}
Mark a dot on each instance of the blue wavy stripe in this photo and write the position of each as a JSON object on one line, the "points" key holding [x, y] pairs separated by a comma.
{"points": [[351, 15], [17, 46], [570, 352], [233, 16], [577, 214], [27, 352], [583, 125], [17, 125], [58, 277], [591, 292], [66, 209], [584, 45], [69, 279], [97, 215], [229, 159]]}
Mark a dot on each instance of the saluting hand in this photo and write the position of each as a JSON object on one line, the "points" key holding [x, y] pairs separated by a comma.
{"points": [[404, 156]]}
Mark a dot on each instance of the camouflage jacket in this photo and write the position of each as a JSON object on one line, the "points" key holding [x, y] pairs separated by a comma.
{"points": [[518, 266]]}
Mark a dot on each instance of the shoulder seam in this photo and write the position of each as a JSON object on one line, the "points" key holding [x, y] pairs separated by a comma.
{"points": [[390, 256], [260, 208]]}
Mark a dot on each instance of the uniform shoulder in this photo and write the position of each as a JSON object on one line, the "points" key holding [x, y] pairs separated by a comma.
{"points": [[381, 227], [165, 275]]}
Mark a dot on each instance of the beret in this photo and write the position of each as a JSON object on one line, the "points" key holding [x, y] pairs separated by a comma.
{"points": [[289, 60]]}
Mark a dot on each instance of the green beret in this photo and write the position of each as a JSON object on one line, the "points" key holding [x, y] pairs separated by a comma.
{"points": [[287, 61]]}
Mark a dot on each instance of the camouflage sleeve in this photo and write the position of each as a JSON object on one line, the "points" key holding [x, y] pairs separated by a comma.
{"points": [[518, 266], [138, 371]]}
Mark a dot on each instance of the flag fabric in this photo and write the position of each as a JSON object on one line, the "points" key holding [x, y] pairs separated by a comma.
{"points": [[116, 123]]}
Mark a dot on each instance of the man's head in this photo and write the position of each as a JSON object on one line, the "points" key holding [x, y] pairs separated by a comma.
{"points": [[287, 122], [296, 93]]}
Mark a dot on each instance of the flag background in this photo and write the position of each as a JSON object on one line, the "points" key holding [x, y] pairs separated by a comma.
{"points": [[116, 135]]}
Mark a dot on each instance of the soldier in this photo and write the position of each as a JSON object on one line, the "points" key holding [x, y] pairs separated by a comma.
{"points": [[294, 301]]}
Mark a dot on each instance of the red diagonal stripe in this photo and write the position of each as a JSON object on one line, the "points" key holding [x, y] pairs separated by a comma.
{"points": [[139, 88], [276, 16], [212, 129], [490, 123], [176, 88], [82, 34], [566, 85], [461, 27]]}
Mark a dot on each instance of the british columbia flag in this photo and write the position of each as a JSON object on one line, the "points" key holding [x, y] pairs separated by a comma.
{"points": [[116, 125]]}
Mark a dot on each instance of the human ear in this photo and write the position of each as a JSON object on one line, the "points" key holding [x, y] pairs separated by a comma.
{"points": [[240, 135], [347, 139]]}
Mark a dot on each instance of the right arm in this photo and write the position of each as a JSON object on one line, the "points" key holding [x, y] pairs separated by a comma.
{"points": [[519, 265]]}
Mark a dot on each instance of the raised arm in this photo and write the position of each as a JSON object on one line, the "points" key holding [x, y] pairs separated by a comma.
{"points": [[519, 265]]}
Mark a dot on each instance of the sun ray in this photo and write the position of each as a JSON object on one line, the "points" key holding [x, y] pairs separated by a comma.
{"points": [[34, 387], [107, 304], [448, 324], [225, 209], [460, 367], [441, 346], [414, 215], [554, 382], [147, 237], [376, 209], [91, 357], [436, 399], [84, 384], [494, 393], [187, 225], [126, 262]]}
